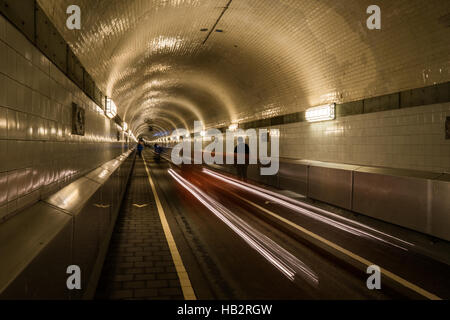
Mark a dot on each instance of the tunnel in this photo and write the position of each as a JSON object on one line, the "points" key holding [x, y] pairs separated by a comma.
{"points": [[224, 150]]}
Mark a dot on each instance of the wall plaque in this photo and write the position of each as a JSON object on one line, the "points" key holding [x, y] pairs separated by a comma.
{"points": [[78, 120]]}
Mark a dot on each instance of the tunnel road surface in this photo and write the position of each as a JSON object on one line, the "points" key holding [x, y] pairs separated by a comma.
{"points": [[249, 243]]}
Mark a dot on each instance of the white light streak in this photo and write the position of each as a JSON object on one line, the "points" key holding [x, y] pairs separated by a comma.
{"points": [[284, 261], [302, 208]]}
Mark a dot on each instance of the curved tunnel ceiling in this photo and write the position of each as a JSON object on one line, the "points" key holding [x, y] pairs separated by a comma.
{"points": [[176, 61]]}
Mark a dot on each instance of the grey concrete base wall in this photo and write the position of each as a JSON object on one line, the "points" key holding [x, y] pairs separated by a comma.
{"points": [[71, 227], [293, 176], [413, 199], [332, 185], [417, 201]]}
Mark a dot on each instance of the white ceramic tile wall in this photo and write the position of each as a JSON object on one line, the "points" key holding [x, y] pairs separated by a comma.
{"points": [[38, 153], [411, 138]]}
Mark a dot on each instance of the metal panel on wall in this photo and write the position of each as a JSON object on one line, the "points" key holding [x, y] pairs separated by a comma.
{"points": [[381, 103], [39, 240], [99, 98], [88, 85], [43, 29], [50, 41], [58, 50], [74, 69], [21, 14], [293, 176], [392, 196], [440, 223], [331, 184]]}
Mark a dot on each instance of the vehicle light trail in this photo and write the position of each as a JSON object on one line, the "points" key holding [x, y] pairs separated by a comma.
{"points": [[279, 257], [302, 208]]}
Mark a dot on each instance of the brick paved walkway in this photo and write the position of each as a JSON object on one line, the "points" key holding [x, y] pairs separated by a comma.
{"points": [[139, 264]]}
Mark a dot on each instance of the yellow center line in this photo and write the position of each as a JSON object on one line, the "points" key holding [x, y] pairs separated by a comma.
{"points": [[188, 291], [348, 253]]}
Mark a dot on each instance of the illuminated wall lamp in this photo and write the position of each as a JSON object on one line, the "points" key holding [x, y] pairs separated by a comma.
{"points": [[321, 113], [125, 126], [233, 127], [111, 109]]}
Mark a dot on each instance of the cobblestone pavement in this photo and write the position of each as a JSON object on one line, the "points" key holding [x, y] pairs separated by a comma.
{"points": [[139, 264]]}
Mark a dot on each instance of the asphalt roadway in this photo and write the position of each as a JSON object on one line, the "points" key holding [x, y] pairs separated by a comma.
{"points": [[242, 241]]}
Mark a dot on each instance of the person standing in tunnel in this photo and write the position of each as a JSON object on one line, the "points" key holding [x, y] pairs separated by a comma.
{"points": [[140, 147], [158, 151], [241, 168]]}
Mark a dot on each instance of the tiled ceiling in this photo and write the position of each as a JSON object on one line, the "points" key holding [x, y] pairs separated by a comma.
{"points": [[262, 58]]}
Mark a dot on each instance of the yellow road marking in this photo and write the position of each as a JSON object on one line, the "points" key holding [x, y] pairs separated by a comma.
{"points": [[352, 255], [103, 206], [188, 291], [140, 205]]}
